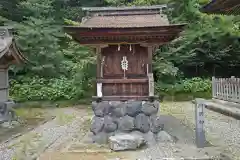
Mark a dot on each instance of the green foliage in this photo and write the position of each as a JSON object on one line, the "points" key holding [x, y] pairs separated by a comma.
{"points": [[190, 86], [61, 69], [36, 88], [39, 40]]}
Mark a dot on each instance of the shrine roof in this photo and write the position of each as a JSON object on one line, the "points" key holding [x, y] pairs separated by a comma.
{"points": [[124, 17], [126, 21], [135, 24], [228, 7], [8, 45]]}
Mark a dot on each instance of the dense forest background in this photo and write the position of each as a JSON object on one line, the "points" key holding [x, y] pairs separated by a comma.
{"points": [[61, 69]]}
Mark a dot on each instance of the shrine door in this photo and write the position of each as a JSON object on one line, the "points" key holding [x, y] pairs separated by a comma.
{"points": [[124, 80]]}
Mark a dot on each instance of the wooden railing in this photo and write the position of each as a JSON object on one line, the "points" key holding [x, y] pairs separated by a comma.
{"points": [[227, 89]]}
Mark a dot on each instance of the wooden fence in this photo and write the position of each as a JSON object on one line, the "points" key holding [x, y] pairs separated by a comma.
{"points": [[227, 89]]}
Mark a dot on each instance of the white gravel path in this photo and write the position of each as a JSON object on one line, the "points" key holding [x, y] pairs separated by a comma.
{"points": [[47, 136], [220, 130]]}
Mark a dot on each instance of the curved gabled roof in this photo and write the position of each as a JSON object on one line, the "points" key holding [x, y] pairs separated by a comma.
{"points": [[8, 47], [227, 7], [110, 25]]}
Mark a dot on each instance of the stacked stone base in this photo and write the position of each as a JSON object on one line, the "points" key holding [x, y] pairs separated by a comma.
{"points": [[113, 117]]}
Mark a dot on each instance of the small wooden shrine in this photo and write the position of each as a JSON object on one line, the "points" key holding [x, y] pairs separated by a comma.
{"points": [[124, 40], [227, 7]]}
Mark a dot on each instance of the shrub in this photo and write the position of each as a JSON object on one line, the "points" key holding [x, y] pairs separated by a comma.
{"points": [[194, 86], [36, 88]]}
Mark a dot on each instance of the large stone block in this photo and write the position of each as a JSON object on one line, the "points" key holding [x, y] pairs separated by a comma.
{"points": [[102, 137], [156, 125], [150, 138], [94, 105], [97, 125], [142, 123], [121, 142], [118, 109], [126, 123], [134, 108], [149, 108], [115, 103], [109, 125], [101, 109]]}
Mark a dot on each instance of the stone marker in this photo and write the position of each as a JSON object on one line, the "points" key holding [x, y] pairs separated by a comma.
{"points": [[199, 120], [121, 142]]}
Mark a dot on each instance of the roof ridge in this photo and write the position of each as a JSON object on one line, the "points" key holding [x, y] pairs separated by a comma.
{"points": [[124, 8], [127, 13]]}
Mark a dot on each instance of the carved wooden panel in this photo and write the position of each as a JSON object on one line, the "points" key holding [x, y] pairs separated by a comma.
{"points": [[137, 59], [125, 89]]}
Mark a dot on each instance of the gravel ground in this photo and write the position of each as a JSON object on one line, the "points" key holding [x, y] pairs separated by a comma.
{"points": [[54, 135], [220, 130], [45, 137]]}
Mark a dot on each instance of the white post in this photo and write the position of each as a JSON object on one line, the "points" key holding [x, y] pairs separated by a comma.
{"points": [[99, 89], [151, 84], [213, 87], [237, 90]]}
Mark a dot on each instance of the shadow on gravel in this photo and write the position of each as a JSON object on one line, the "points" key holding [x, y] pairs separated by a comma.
{"points": [[179, 131]]}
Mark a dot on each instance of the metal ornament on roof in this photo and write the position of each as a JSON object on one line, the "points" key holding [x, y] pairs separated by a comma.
{"points": [[124, 65]]}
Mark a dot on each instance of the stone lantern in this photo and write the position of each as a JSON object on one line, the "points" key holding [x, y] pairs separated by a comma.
{"points": [[9, 55]]}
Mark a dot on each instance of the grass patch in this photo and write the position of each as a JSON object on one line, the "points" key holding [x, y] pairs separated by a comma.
{"points": [[181, 97], [54, 104], [63, 118], [30, 113]]}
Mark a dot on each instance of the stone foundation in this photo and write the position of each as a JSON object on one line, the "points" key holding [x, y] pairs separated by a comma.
{"points": [[113, 117], [6, 111]]}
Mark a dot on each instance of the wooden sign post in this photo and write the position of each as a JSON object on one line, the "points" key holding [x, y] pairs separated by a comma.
{"points": [[199, 117]]}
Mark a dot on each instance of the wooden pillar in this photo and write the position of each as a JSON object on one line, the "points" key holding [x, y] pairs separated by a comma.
{"points": [[150, 71], [150, 49], [98, 50], [150, 53], [99, 58]]}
